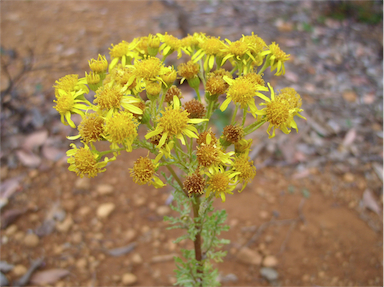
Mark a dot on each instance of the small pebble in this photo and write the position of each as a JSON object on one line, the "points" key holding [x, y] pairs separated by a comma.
{"points": [[163, 210], [31, 240], [270, 261], [105, 209], [104, 189], [269, 273], [19, 270], [128, 279]]}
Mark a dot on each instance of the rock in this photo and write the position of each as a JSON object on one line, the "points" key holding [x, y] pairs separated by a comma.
{"points": [[69, 204], [31, 240], [269, 273], [84, 210], [139, 201], [305, 278], [104, 189], [270, 261], [128, 279], [65, 225], [136, 259], [263, 214], [348, 177], [19, 270], [249, 256], [81, 263], [77, 238], [130, 234], [152, 205], [11, 230], [229, 278], [19, 235], [83, 183], [163, 210], [350, 96], [3, 280], [105, 209]]}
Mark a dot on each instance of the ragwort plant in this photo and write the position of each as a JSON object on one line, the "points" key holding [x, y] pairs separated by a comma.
{"points": [[202, 167]]}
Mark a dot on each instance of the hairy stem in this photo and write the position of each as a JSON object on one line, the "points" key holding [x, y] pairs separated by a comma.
{"points": [[197, 242]]}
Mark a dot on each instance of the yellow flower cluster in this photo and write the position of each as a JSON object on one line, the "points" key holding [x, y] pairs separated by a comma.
{"points": [[135, 88]]}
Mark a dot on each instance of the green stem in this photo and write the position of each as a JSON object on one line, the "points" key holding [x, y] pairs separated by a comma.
{"points": [[176, 178], [198, 94], [234, 114], [197, 241], [101, 153], [252, 127], [265, 66], [244, 116]]}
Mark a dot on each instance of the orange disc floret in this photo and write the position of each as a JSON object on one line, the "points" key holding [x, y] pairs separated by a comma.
{"points": [[277, 113], [194, 184], [195, 109], [207, 155], [255, 79], [233, 134], [202, 139], [172, 91]]}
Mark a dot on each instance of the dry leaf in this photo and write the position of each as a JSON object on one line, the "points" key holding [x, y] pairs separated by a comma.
{"points": [[48, 276], [10, 186], [349, 137], [370, 202], [121, 250], [52, 153], [10, 216], [28, 159], [35, 139]]}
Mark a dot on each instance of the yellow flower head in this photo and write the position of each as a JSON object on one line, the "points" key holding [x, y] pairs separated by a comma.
{"points": [[172, 91], [277, 58], [68, 103], [91, 127], [221, 182], [209, 155], [175, 123], [84, 162], [171, 44], [207, 137], [93, 79], [148, 68], [70, 83], [119, 50], [195, 109], [242, 91], [169, 76], [233, 134], [211, 47], [194, 184], [123, 76], [100, 65], [188, 70], [123, 51], [246, 168], [255, 79], [153, 88], [143, 172], [108, 98], [280, 110], [121, 128], [257, 46], [215, 83]]}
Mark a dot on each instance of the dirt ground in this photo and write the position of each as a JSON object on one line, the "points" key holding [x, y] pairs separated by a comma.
{"points": [[319, 220]]}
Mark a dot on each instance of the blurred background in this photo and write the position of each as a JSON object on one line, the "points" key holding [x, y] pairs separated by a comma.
{"points": [[312, 215]]}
